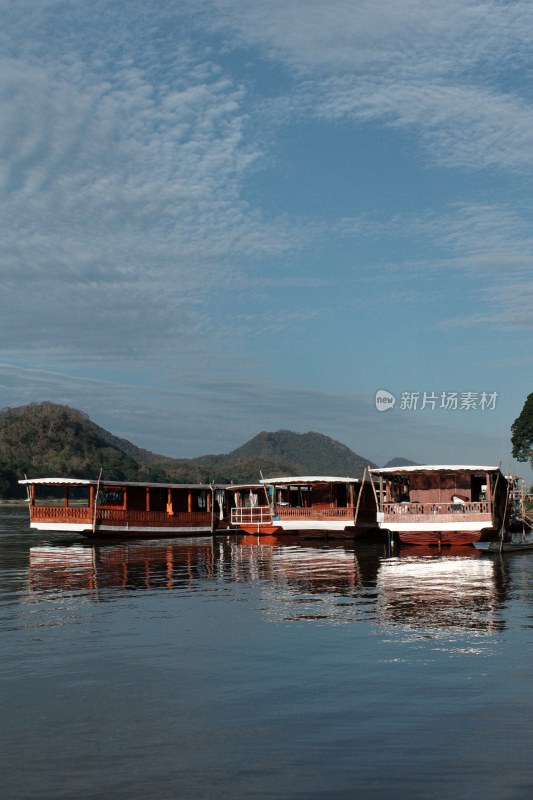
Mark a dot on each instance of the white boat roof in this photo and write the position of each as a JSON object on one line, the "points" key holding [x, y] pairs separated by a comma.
{"points": [[103, 482], [306, 479], [240, 486], [432, 468], [59, 481]]}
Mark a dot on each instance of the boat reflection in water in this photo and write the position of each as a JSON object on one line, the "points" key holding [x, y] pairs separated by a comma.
{"points": [[131, 565], [331, 582], [456, 591], [167, 563]]}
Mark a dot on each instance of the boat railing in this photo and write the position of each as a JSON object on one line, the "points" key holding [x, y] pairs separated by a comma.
{"points": [[289, 512], [251, 515], [57, 513], [128, 516], [432, 509]]}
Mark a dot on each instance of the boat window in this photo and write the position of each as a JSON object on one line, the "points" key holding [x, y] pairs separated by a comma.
{"points": [[479, 488], [202, 501], [111, 497], [48, 495], [180, 500], [321, 495], [341, 495], [158, 498], [78, 496], [136, 498]]}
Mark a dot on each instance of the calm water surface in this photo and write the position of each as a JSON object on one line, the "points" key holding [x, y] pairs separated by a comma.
{"points": [[230, 667]]}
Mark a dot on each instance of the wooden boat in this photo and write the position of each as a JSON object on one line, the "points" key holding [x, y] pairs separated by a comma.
{"points": [[125, 508], [505, 547], [441, 505], [312, 506]]}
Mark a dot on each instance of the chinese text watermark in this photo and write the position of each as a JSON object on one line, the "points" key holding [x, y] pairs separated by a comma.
{"points": [[444, 401]]}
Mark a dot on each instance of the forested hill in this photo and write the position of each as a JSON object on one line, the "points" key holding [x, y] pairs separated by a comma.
{"points": [[46, 439], [307, 453], [400, 462]]}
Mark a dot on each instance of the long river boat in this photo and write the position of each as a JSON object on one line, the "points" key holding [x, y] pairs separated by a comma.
{"points": [[126, 508], [442, 504]]}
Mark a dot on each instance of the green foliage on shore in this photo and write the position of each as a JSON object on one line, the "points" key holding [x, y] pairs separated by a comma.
{"points": [[522, 433], [50, 440]]}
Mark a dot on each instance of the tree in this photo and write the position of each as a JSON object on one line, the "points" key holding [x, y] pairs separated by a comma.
{"points": [[522, 433]]}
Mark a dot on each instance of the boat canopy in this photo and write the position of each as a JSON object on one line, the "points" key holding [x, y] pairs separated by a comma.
{"points": [[421, 468], [307, 479], [58, 482], [103, 482], [240, 486]]}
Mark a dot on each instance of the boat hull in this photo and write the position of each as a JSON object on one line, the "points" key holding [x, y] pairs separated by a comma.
{"points": [[442, 537], [260, 529], [123, 530], [304, 531]]}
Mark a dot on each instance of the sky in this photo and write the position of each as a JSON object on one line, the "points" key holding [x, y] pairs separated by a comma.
{"points": [[227, 216]]}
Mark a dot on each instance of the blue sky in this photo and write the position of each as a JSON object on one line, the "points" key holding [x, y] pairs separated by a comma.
{"points": [[229, 216]]}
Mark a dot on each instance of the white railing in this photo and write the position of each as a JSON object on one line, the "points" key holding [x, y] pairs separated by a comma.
{"points": [[254, 515]]}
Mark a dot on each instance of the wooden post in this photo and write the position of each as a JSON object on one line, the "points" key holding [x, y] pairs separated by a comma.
{"points": [[189, 501], [489, 487], [495, 497], [374, 488], [147, 499], [96, 499], [361, 490]]}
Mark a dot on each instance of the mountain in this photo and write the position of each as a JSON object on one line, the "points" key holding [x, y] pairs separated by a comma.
{"points": [[47, 439], [303, 453], [400, 462]]}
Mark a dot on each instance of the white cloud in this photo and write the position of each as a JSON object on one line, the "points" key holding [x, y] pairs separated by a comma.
{"points": [[467, 126], [508, 305], [440, 70], [485, 248], [122, 222], [416, 35]]}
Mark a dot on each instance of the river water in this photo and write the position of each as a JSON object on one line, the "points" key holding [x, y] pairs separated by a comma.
{"points": [[235, 667]]}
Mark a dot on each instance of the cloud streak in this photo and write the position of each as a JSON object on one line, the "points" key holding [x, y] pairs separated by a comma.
{"points": [[120, 199], [442, 71]]}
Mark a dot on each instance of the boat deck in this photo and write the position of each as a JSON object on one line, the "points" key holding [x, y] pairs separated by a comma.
{"points": [[443, 512]]}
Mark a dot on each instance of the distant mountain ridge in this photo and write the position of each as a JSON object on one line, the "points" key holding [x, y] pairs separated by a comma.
{"points": [[52, 440], [400, 462]]}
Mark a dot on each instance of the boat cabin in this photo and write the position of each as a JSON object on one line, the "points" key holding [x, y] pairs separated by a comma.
{"points": [[306, 503], [462, 502]]}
